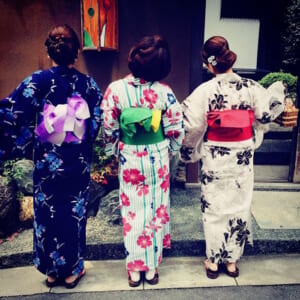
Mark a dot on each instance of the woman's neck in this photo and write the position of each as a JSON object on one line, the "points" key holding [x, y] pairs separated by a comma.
{"points": [[226, 72], [54, 64]]}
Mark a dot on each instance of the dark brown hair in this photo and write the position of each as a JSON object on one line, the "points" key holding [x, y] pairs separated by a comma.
{"points": [[62, 45], [150, 58], [217, 49]]}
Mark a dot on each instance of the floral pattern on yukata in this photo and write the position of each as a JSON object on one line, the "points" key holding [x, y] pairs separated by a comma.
{"points": [[144, 169], [62, 173], [227, 167]]}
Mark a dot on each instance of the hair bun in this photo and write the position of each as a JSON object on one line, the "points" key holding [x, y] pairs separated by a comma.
{"points": [[63, 45], [218, 47]]}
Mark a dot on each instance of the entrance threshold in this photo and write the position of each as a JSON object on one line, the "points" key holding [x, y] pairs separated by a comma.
{"points": [[271, 173]]}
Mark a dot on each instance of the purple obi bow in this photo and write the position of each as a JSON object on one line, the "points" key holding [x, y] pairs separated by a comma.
{"points": [[64, 122]]}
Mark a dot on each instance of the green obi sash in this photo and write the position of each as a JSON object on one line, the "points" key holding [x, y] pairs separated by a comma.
{"points": [[141, 126]]}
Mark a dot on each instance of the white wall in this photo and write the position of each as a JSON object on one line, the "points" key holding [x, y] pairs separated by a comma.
{"points": [[242, 34]]}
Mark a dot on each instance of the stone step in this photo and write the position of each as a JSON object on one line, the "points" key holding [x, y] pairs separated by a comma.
{"points": [[276, 229]]}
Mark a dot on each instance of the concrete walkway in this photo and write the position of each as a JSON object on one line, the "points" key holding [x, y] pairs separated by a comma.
{"points": [[175, 272]]}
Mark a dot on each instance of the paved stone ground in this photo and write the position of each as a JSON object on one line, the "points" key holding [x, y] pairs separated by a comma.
{"points": [[175, 273]]}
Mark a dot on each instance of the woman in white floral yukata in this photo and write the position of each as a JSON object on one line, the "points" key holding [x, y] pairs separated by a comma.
{"points": [[225, 119], [143, 121]]}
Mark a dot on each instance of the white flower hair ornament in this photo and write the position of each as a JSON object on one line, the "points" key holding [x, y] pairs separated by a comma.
{"points": [[212, 60]]}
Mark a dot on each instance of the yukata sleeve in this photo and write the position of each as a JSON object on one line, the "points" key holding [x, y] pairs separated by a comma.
{"points": [[94, 100], [172, 122], [195, 125], [17, 120], [110, 124], [268, 105]]}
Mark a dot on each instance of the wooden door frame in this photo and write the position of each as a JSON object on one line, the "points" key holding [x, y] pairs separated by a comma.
{"points": [[197, 39]]}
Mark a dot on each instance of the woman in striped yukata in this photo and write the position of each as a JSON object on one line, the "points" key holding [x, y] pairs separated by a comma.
{"points": [[143, 125]]}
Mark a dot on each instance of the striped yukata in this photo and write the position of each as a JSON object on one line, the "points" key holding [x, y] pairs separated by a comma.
{"points": [[144, 169]]}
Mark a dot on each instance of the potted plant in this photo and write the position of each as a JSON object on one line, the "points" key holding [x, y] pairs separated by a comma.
{"points": [[290, 114], [104, 169]]}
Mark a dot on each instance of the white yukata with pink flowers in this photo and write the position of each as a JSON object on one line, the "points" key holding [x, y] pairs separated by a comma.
{"points": [[144, 169]]}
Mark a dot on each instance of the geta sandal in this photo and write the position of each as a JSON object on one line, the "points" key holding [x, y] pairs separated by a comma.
{"points": [[71, 285], [133, 283], [210, 273], [234, 273], [51, 284], [154, 280]]}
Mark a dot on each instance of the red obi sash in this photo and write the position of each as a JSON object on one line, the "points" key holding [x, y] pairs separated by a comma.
{"points": [[230, 125]]}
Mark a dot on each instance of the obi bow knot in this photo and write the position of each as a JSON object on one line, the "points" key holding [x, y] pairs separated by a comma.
{"points": [[64, 122]]}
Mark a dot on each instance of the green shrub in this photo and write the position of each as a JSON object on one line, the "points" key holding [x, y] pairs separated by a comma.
{"points": [[290, 37], [287, 78]]}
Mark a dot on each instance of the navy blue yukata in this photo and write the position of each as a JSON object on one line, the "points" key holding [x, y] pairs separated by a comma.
{"points": [[62, 171]]}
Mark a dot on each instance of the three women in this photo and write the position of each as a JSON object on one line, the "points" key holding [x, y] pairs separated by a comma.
{"points": [[57, 111]]}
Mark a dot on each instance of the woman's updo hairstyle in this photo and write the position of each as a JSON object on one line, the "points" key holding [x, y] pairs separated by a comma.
{"points": [[216, 52], [150, 59], [63, 45]]}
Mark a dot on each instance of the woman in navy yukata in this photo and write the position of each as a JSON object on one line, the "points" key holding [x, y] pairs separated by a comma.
{"points": [[56, 112]]}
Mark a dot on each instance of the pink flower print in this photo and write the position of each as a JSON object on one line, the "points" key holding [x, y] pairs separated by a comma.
{"points": [[140, 153], [162, 171], [166, 183], [169, 113], [137, 266], [153, 227], [144, 241], [131, 215], [133, 176], [150, 96], [125, 199], [167, 241], [121, 146], [173, 119], [159, 259], [106, 119], [161, 211], [162, 214], [144, 190], [173, 133], [115, 99], [126, 226], [115, 113], [107, 93]]}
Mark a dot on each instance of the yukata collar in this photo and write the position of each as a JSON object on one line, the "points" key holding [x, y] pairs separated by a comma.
{"points": [[228, 77], [136, 81], [62, 70]]}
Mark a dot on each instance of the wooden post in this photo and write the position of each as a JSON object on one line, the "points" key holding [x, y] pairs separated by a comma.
{"points": [[197, 39], [192, 173], [294, 171]]}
